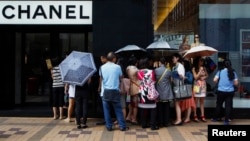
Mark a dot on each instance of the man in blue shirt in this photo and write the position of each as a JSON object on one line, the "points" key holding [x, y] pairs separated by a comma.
{"points": [[111, 75]]}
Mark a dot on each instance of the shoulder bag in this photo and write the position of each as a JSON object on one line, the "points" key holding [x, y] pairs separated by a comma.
{"points": [[181, 90], [134, 88], [216, 85], [124, 86], [162, 76]]}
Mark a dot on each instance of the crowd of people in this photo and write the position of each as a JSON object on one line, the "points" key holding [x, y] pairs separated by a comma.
{"points": [[135, 105]]}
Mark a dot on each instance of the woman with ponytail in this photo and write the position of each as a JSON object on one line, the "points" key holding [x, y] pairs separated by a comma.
{"points": [[226, 79]]}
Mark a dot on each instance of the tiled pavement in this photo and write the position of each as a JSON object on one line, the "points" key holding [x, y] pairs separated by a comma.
{"points": [[48, 129]]}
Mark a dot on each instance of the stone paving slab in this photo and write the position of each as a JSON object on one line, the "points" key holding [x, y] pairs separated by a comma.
{"points": [[48, 129]]}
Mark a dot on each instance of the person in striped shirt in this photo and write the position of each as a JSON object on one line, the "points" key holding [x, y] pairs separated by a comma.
{"points": [[57, 90]]}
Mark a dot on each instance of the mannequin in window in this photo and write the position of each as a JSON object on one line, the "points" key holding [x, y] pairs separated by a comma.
{"points": [[184, 46], [196, 41]]}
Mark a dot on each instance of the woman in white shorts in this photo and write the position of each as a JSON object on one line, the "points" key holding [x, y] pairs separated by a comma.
{"points": [[70, 90]]}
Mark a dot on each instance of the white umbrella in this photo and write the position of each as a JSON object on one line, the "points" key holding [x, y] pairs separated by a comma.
{"points": [[200, 50], [160, 45], [130, 48]]}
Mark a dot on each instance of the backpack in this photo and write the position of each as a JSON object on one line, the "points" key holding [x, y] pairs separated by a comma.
{"points": [[209, 65], [189, 78]]}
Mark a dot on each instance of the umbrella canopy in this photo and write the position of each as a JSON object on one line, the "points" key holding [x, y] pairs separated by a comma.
{"points": [[201, 50], [77, 68], [130, 48], [159, 45]]}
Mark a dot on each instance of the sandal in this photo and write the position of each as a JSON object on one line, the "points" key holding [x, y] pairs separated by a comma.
{"points": [[203, 119], [196, 119], [187, 121], [134, 122], [128, 120], [56, 117], [115, 122]]}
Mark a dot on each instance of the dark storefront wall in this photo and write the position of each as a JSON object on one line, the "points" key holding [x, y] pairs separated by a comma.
{"points": [[7, 58], [118, 23]]}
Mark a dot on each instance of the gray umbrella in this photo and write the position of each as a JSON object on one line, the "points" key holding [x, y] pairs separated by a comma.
{"points": [[77, 68]]}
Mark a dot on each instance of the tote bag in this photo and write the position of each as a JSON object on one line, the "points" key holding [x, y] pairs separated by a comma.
{"points": [[124, 87], [181, 90]]}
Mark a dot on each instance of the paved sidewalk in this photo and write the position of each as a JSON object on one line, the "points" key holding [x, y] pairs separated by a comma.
{"points": [[48, 129]]}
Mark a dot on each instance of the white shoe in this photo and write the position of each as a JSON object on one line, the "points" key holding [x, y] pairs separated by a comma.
{"points": [[67, 120]]}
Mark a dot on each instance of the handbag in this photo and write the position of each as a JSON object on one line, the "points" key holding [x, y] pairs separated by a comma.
{"points": [[216, 85], [197, 87], [182, 91], [125, 85], [210, 64], [134, 88]]}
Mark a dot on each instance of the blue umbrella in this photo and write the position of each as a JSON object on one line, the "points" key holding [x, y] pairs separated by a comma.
{"points": [[77, 68]]}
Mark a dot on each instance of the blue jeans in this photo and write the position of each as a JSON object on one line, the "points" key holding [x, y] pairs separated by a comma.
{"points": [[107, 105]]}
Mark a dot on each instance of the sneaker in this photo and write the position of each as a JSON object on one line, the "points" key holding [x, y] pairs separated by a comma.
{"points": [[79, 127], [214, 120], [109, 129], [68, 120], [154, 128], [124, 129], [84, 126], [226, 122]]}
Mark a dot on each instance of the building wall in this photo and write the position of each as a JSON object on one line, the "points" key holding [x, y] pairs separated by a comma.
{"points": [[7, 60], [117, 23]]}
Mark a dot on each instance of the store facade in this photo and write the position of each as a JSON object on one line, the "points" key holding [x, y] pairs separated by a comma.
{"points": [[33, 31]]}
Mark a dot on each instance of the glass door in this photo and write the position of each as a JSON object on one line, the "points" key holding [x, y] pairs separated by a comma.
{"points": [[37, 75]]}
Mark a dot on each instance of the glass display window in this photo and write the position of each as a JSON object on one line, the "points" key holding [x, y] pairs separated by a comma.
{"points": [[245, 54]]}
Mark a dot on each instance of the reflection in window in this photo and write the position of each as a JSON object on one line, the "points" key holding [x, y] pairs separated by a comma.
{"points": [[245, 54]]}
